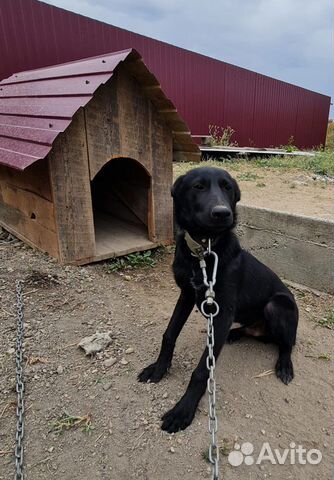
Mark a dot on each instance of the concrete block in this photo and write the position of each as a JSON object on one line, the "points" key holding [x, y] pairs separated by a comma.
{"points": [[297, 248]]}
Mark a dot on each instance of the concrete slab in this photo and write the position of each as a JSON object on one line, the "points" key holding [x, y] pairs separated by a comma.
{"points": [[298, 248]]}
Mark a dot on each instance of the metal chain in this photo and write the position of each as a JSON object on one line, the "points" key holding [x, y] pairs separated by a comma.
{"points": [[19, 383], [213, 310]]}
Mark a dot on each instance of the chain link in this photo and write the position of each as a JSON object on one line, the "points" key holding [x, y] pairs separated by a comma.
{"points": [[19, 383], [209, 314]]}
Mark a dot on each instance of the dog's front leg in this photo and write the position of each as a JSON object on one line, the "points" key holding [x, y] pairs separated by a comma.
{"points": [[183, 308], [182, 414]]}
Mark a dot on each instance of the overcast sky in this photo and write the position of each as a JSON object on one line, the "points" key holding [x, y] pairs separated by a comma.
{"points": [[287, 39]]}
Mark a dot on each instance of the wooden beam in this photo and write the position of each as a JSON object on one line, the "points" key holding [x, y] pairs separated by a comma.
{"points": [[69, 172]]}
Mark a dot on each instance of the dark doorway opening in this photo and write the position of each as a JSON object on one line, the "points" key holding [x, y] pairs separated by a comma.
{"points": [[121, 197]]}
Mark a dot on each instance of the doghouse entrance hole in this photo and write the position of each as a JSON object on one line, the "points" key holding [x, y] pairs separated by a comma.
{"points": [[121, 205]]}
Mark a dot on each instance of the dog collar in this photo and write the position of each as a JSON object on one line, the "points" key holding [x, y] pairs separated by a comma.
{"points": [[197, 249]]}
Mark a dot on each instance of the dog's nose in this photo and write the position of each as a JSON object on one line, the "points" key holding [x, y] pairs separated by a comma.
{"points": [[220, 212]]}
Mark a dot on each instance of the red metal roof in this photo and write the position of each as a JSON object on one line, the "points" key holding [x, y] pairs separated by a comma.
{"points": [[37, 105]]}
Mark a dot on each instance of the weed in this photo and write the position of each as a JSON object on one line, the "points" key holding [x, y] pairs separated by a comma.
{"points": [[325, 356], [67, 422], [321, 163], [205, 455], [330, 136], [247, 176], [290, 147], [221, 136], [225, 447], [322, 356], [327, 321], [134, 260]]}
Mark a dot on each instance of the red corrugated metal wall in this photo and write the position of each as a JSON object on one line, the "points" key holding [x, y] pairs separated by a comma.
{"points": [[263, 111]]}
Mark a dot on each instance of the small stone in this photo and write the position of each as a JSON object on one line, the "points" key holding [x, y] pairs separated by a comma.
{"points": [[165, 395], [124, 362], [60, 369], [127, 278], [172, 449], [109, 362], [95, 343], [129, 350], [248, 415], [263, 432], [11, 350], [50, 450], [107, 386]]}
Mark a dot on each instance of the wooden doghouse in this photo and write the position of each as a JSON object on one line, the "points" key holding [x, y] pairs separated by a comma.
{"points": [[86, 151]]}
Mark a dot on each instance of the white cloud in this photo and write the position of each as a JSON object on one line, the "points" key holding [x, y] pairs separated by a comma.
{"points": [[288, 39]]}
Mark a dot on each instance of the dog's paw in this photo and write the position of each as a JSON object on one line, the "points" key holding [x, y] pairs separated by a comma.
{"points": [[284, 370], [178, 418], [153, 373]]}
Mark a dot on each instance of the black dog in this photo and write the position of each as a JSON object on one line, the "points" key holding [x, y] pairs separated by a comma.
{"points": [[247, 291]]}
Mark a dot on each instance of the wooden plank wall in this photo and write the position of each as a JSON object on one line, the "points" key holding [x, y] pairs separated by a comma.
{"points": [[70, 183], [122, 122], [26, 207], [162, 178]]}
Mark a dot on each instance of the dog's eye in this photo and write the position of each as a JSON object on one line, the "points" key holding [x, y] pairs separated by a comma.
{"points": [[226, 186], [198, 186]]}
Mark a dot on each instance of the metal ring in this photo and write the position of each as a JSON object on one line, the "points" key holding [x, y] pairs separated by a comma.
{"points": [[214, 303]]}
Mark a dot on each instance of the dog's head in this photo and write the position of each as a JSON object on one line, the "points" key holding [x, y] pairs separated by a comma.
{"points": [[205, 200]]}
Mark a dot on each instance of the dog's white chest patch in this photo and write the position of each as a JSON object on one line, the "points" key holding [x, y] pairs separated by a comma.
{"points": [[235, 325]]}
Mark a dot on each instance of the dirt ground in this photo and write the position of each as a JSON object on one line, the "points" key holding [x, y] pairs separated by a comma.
{"points": [[286, 190], [124, 441]]}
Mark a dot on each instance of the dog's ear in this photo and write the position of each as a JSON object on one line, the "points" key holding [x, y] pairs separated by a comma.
{"points": [[177, 185], [237, 193]]}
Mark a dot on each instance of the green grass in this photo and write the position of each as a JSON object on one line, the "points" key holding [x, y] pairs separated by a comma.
{"points": [[247, 176], [68, 422], [327, 321], [321, 164], [330, 136], [134, 260], [325, 356]]}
